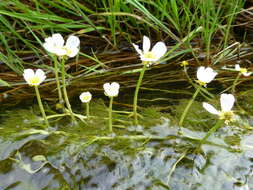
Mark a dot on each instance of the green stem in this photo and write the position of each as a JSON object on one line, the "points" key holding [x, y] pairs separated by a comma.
{"points": [[57, 80], [136, 93], [235, 82], [41, 105], [64, 89], [211, 131], [87, 110], [188, 106], [110, 115]]}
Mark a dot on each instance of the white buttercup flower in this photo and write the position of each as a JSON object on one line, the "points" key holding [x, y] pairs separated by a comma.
{"points": [[112, 89], [85, 97], [227, 102], [155, 54], [55, 45], [34, 78], [244, 71], [205, 75]]}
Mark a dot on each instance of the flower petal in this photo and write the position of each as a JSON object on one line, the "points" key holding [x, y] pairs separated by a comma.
{"points": [[115, 85], [49, 47], [72, 42], [159, 50], [60, 51], [28, 73], [146, 44], [247, 74], [227, 102], [210, 108], [237, 67], [206, 75], [58, 40], [201, 73], [106, 87], [136, 47], [210, 74], [40, 73], [72, 52]]}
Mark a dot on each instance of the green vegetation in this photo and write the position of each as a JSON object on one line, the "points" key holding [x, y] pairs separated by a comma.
{"points": [[25, 24], [177, 140]]}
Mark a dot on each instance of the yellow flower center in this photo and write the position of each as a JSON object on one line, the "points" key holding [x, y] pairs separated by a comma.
{"points": [[184, 63], [68, 51], [33, 81], [243, 70], [227, 116], [201, 83], [86, 98], [149, 55]]}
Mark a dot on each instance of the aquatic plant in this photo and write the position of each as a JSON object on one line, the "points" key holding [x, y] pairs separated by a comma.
{"points": [[226, 114], [147, 57], [204, 76], [35, 79], [85, 97], [242, 71], [55, 45], [111, 90], [227, 103]]}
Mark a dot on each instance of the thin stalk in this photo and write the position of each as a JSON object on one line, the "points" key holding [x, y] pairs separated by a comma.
{"points": [[211, 131], [188, 106], [41, 105], [175, 165], [64, 89], [110, 115], [57, 80], [136, 93], [235, 82], [87, 110]]}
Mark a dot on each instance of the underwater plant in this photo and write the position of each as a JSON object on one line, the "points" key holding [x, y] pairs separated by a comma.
{"points": [[148, 58], [111, 90], [35, 79]]}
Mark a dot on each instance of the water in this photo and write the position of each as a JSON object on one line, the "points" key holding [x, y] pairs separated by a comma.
{"points": [[85, 156]]}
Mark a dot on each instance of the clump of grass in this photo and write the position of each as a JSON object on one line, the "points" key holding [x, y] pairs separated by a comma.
{"points": [[24, 25]]}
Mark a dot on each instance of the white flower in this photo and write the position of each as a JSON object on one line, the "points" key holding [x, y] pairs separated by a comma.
{"points": [[55, 45], [227, 102], [205, 75], [34, 78], [244, 71], [151, 56], [112, 89], [85, 97]]}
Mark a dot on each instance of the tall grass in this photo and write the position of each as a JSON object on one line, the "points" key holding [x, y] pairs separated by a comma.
{"points": [[24, 25]]}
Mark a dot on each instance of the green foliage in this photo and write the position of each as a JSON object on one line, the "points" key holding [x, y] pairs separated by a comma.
{"points": [[25, 25]]}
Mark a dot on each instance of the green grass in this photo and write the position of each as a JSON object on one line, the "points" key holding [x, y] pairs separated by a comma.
{"points": [[25, 25]]}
